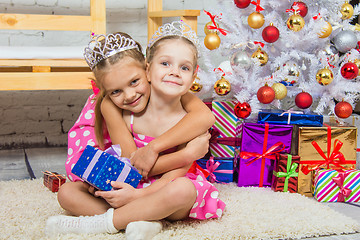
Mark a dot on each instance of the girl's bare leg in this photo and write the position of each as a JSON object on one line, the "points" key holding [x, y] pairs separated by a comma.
{"points": [[75, 198], [174, 202]]}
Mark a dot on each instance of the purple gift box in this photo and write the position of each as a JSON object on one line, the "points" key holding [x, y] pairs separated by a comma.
{"points": [[256, 158]]}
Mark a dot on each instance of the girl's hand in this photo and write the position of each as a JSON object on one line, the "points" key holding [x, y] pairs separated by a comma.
{"points": [[143, 159], [199, 146], [122, 194]]}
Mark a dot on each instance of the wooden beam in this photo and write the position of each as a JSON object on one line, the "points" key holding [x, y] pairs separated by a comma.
{"points": [[43, 62], [45, 81], [45, 22]]}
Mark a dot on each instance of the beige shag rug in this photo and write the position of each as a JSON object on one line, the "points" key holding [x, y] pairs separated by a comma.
{"points": [[251, 213]]}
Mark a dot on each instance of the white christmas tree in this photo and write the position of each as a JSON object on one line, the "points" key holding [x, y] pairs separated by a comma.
{"points": [[306, 51]]}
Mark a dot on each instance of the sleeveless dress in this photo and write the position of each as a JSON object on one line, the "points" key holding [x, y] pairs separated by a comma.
{"points": [[82, 133], [207, 204]]}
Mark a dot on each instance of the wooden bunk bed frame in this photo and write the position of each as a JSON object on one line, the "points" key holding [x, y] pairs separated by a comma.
{"points": [[41, 74], [38, 74]]}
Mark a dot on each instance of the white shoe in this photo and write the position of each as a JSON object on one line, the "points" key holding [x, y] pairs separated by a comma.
{"points": [[84, 224], [142, 230]]}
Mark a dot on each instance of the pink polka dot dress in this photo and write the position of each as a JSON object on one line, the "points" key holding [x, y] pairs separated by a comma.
{"points": [[207, 204], [81, 135]]}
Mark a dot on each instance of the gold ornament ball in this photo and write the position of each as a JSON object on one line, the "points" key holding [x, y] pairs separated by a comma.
{"points": [[326, 30], [261, 55], [207, 31], [280, 90], [357, 63], [256, 20], [324, 76], [347, 10], [222, 87], [195, 87], [295, 22], [212, 41]]}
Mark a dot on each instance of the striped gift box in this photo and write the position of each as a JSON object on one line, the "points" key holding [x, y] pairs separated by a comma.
{"points": [[228, 125], [333, 185]]}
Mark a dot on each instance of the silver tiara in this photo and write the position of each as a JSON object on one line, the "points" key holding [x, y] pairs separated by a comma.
{"points": [[177, 28], [112, 44]]}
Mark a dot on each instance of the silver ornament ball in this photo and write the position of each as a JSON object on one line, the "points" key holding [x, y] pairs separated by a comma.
{"points": [[240, 59], [345, 41]]}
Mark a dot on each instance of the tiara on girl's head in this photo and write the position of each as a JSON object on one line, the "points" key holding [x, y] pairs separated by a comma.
{"points": [[177, 28], [104, 46]]}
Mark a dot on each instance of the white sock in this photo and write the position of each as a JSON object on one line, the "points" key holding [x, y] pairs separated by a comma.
{"points": [[102, 223], [142, 230]]}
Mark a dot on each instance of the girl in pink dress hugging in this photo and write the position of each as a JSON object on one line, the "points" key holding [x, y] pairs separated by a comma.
{"points": [[170, 192]]}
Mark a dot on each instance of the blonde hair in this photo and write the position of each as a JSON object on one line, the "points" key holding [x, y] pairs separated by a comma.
{"points": [[100, 70], [151, 51]]}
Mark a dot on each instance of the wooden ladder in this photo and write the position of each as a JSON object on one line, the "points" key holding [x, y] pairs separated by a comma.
{"points": [[38, 74], [156, 14]]}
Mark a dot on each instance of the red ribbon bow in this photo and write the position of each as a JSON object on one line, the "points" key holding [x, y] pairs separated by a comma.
{"points": [[329, 159], [270, 153], [261, 43], [258, 7], [229, 141], [317, 16], [211, 167], [215, 26], [344, 192]]}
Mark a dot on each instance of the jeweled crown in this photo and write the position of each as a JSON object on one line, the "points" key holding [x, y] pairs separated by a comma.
{"points": [[177, 28], [104, 46]]}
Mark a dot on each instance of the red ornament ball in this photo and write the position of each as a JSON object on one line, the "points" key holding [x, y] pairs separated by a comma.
{"points": [[349, 70], [303, 100], [242, 3], [242, 110], [270, 34], [266, 94], [343, 109], [302, 8]]}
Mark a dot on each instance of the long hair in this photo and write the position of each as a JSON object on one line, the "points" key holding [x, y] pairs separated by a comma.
{"points": [[100, 70]]}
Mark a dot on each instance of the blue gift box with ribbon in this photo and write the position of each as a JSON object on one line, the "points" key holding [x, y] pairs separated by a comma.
{"points": [[276, 116], [220, 169], [99, 168]]}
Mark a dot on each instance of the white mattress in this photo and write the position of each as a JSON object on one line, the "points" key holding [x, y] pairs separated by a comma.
{"points": [[14, 52]]}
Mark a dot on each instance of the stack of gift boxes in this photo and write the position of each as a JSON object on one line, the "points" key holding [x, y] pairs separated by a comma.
{"points": [[288, 151]]}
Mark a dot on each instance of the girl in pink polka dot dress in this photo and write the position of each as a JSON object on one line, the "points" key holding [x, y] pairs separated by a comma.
{"points": [[171, 192]]}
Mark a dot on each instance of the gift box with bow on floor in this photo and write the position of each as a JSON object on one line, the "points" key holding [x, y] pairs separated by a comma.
{"points": [[337, 186], [259, 145], [327, 147], [99, 168], [226, 132], [219, 170], [53, 180], [286, 172], [277, 116]]}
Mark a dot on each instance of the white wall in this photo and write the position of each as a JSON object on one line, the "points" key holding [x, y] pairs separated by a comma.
{"points": [[43, 118]]}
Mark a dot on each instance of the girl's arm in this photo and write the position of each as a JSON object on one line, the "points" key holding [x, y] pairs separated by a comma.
{"points": [[197, 121], [118, 131], [193, 150]]}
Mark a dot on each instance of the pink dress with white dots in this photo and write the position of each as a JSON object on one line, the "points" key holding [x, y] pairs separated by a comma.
{"points": [[82, 134], [207, 204]]}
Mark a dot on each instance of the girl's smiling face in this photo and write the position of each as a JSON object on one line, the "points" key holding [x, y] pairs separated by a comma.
{"points": [[172, 69], [127, 86]]}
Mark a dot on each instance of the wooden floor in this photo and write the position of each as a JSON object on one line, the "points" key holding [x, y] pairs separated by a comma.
{"points": [[31, 163]]}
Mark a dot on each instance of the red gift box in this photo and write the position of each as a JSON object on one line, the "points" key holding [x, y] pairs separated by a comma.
{"points": [[286, 172], [53, 180]]}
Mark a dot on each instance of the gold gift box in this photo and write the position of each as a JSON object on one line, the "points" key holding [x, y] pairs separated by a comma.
{"points": [[310, 158]]}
